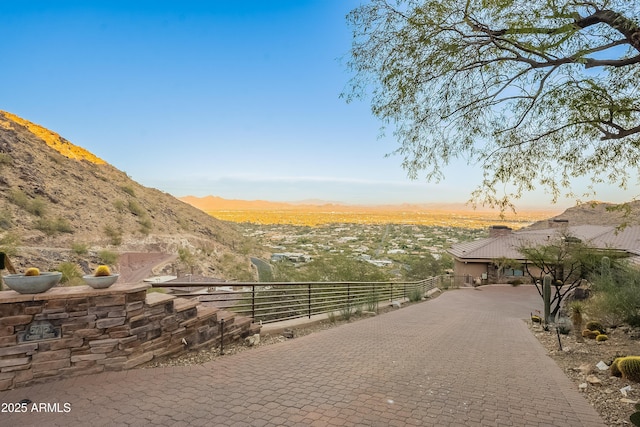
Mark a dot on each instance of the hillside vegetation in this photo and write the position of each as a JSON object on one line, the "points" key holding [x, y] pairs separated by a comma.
{"points": [[60, 203]]}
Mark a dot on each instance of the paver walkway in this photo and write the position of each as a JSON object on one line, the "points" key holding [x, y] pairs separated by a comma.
{"points": [[463, 359]]}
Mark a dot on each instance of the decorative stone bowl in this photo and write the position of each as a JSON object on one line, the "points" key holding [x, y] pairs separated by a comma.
{"points": [[100, 282], [32, 284]]}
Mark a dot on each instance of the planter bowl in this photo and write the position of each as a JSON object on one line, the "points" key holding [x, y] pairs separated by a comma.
{"points": [[32, 284], [100, 282]]}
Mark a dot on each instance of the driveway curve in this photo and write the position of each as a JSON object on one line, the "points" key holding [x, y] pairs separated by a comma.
{"points": [[466, 358]]}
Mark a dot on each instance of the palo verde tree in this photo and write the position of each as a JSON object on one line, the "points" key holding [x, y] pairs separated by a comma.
{"points": [[536, 92], [567, 260]]}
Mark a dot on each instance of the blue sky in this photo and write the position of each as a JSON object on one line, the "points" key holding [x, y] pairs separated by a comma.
{"points": [[234, 99]]}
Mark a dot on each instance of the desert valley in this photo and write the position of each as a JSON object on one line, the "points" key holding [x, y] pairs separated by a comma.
{"points": [[63, 205]]}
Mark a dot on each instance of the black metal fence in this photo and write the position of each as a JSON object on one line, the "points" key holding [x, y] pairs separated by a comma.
{"points": [[276, 301]]}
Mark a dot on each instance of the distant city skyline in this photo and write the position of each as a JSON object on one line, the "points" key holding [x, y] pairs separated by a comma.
{"points": [[234, 99]]}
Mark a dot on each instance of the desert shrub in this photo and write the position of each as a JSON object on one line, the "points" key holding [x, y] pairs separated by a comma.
{"points": [[418, 268], [5, 159], [357, 309], [616, 297], [114, 235], [184, 225], [120, 206], [19, 198], [346, 311], [247, 247], [63, 226], [46, 225], [9, 243], [80, 248], [330, 268], [145, 225], [236, 267], [135, 208], [515, 282], [108, 257], [5, 220], [52, 227], [415, 295], [186, 257], [332, 317], [630, 368], [69, 271], [563, 325], [128, 190], [371, 301], [37, 206]]}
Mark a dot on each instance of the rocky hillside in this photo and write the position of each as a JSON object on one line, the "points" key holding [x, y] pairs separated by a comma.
{"points": [[60, 203], [598, 213]]}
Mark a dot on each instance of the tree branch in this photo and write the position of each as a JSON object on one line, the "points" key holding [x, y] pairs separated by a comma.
{"points": [[628, 28], [590, 62]]}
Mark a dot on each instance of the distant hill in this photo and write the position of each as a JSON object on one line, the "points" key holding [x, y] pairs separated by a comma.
{"points": [[314, 213], [57, 196], [598, 213], [214, 203]]}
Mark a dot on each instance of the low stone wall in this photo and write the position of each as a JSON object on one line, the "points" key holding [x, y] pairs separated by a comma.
{"points": [[80, 330]]}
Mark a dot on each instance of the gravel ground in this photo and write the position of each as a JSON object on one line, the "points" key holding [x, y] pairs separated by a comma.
{"points": [[578, 360]]}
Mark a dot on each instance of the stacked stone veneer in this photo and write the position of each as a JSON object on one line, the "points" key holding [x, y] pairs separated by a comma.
{"points": [[104, 330]]}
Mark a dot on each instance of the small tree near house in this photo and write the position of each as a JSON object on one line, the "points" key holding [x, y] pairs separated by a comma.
{"points": [[567, 260]]}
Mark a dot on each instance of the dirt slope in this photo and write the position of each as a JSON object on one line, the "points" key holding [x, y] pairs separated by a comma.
{"points": [[55, 197]]}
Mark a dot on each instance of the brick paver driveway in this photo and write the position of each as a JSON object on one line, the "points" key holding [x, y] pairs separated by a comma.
{"points": [[463, 359]]}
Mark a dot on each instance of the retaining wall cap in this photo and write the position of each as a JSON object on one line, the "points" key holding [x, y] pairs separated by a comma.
{"points": [[64, 292]]}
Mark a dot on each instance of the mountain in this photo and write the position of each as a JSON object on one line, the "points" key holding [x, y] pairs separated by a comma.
{"points": [[214, 203], [597, 213], [58, 199]]}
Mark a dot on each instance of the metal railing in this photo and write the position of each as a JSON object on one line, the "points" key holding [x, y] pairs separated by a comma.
{"points": [[276, 301]]}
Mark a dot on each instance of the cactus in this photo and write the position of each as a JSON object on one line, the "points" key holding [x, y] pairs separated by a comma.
{"points": [[594, 326], [635, 417], [601, 338], [33, 271], [590, 334], [613, 369], [630, 368], [546, 291], [102, 270]]}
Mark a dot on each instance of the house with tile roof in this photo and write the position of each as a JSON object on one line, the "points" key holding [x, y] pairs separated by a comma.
{"points": [[479, 261]]}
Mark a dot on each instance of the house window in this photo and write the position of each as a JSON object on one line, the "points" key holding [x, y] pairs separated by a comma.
{"points": [[513, 272]]}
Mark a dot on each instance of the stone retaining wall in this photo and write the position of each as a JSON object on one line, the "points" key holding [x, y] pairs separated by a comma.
{"points": [[80, 330]]}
